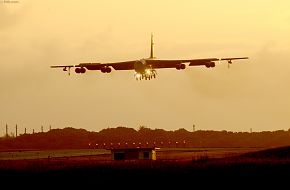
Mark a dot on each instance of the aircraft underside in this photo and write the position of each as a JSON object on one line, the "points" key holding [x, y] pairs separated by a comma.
{"points": [[141, 68]]}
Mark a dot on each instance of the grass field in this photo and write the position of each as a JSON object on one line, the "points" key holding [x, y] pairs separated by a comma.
{"points": [[172, 167], [163, 153], [39, 154]]}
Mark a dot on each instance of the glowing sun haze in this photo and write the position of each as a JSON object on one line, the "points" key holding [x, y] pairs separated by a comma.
{"points": [[253, 93]]}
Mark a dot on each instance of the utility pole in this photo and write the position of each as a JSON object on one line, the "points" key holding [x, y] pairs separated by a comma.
{"points": [[6, 130], [41, 128], [251, 130], [32, 131], [193, 128], [50, 127], [16, 130], [25, 130]]}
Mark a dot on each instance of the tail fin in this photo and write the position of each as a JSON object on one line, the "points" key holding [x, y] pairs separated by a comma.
{"points": [[152, 48]]}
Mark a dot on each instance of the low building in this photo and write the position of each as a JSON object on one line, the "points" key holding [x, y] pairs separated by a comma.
{"points": [[133, 153]]}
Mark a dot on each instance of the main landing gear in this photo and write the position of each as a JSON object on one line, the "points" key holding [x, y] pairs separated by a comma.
{"points": [[148, 75]]}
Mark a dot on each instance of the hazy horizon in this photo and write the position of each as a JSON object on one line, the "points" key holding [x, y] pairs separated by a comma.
{"points": [[253, 93]]}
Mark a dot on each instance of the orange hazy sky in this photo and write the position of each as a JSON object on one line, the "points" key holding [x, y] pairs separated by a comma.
{"points": [[253, 93]]}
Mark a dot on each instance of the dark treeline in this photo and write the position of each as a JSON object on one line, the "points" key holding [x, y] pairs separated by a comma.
{"points": [[71, 138]]}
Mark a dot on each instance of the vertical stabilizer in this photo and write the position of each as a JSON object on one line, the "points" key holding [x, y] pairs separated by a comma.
{"points": [[152, 48]]}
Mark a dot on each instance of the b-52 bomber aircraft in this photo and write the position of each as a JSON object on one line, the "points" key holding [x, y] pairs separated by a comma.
{"points": [[146, 68]]}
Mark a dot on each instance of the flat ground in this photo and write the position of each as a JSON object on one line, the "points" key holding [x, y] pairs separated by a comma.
{"points": [[163, 153], [173, 166]]}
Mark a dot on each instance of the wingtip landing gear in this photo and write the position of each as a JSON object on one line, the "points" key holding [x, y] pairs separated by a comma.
{"points": [[229, 63]]}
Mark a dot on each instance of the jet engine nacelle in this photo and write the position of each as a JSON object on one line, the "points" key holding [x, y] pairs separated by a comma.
{"points": [[180, 66], [210, 64], [80, 70], [106, 69]]}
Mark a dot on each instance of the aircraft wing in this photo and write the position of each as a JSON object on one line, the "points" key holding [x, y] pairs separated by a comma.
{"points": [[233, 58], [155, 63], [125, 65], [62, 66]]}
